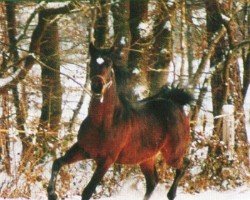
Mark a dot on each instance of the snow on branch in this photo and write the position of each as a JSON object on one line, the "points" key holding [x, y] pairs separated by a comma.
{"points": [[29, 20], [7, 80], [207, 56]]}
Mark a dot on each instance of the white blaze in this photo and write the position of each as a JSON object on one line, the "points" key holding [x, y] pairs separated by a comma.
{"points": [[100, 60]]}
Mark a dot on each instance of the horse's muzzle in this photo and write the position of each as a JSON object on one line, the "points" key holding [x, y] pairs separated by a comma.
{"points": [[97, 85]]}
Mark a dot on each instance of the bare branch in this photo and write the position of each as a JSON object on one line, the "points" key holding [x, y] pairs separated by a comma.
{"points": [[29, 20], [34, 45], [207, 55]]}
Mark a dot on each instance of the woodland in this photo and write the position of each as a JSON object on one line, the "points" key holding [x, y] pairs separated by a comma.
{"points": [[200, 45]]}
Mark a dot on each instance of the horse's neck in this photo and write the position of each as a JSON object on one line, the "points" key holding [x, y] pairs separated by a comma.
{"points": [[101, 110]]}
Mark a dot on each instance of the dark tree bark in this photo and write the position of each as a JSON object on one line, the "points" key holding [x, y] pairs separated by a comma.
{"points": [[138, 74], [34, 45], [121, 15], [162, 47], [214, 24], [4, 118], [14, 55], [51, 83], [190, 48], [122, 38], [4, 136], [246, 64], [226, 83], [235, 91], [101, 23], [138, 14], [246, 75]]}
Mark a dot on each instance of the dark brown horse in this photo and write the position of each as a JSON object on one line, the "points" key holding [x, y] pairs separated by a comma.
{"points": [[117, 132]]}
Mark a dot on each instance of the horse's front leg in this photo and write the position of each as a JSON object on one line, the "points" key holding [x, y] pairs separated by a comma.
{"points": [[101, 169], [74, 154]]}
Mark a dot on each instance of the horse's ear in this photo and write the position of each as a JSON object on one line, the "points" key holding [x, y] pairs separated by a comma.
{"points": [[92, 48]]}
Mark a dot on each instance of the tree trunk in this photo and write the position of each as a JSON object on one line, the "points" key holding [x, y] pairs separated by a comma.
{"points": [[101, 23], [235, 88], [4, 135], [246, 64], [12, 33], [122, 39], [51, 82], [162, 48], [226, 83], [214, 23], [138, 16], [183, 45], [4, 120], [190, 49], [34, 45]]}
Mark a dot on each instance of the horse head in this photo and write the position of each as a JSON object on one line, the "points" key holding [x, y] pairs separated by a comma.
{"points": [[101, 70]]}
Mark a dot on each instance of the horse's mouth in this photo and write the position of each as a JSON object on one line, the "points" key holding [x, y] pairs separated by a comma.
{"points": [[97, 86], [97, 95]]}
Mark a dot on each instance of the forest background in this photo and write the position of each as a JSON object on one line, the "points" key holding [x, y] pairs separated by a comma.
{"points": [[44, 84]]}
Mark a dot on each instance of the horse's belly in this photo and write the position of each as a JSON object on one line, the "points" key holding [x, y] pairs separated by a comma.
{"points": [[143, 144], [134, 154]]}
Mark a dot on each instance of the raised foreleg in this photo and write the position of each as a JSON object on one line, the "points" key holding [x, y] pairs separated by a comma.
{"points": [[75, 153]]}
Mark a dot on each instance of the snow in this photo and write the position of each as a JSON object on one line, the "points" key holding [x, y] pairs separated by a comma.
{"points": [[100, 60], [164, 51], [130, 191], [140, 91], [170, 3], [7, 80], [145, 28], [199, 17], [136, 71], [226, 18], [167, 25], [56, 4], [160, 192], [123, 41]]}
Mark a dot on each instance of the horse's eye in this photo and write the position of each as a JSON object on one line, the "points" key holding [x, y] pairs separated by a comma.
{"points": [[100, 60]]}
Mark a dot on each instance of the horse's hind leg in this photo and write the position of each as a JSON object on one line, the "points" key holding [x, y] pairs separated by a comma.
{"points": [[179, 174], [74, 154], [150, 173]]}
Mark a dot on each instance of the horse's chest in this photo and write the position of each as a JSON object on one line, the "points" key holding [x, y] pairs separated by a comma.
{"points": [[99, 142]]}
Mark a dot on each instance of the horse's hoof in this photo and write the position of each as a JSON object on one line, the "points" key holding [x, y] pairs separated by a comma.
{"points": [[52, 197], [171, 196]]}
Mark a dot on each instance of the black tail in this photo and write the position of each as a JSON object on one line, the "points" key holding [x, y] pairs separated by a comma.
{"points": [[177, 95]]}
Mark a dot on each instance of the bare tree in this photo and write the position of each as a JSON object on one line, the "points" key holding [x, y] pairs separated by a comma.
{"points": [[14, 57], [162, 48], [246, 53], [138, 18], [101, 22], [226, 83], [51, 82], [34, 45]]}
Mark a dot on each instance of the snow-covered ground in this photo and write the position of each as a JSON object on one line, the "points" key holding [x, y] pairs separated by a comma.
{"points": [[160, 193]]}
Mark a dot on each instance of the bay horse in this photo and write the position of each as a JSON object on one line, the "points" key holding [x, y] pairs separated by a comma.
{"points": [[115, 131]]}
